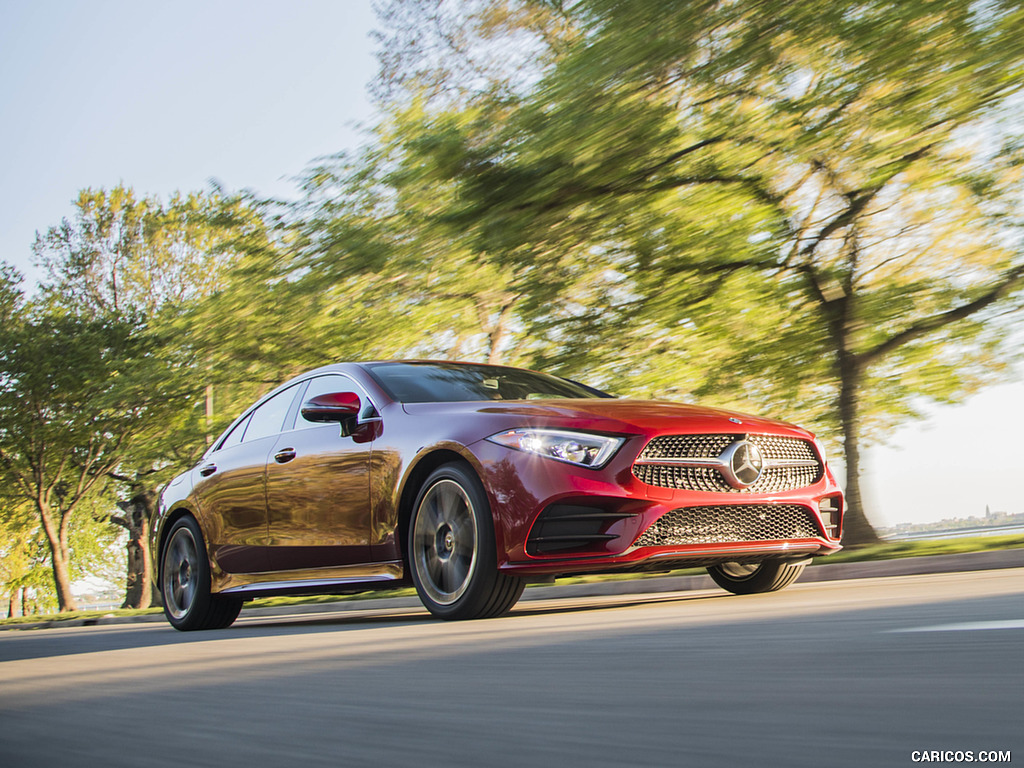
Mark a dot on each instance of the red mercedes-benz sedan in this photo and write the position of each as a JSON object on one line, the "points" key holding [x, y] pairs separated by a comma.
{"points": [[470, 480]]}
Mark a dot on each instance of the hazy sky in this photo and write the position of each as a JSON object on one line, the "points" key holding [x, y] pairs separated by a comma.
{"points": [[165, 97]]}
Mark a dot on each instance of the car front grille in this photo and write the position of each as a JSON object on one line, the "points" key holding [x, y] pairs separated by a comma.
{"points": [[730, 523], [789, 463]]}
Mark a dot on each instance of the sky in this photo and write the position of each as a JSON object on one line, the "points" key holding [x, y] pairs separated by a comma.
{"points": [[166, 97]]}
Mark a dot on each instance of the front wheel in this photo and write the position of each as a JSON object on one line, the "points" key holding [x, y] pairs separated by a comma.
{"points": [[452, 554], [752, 578], [185, 582]]}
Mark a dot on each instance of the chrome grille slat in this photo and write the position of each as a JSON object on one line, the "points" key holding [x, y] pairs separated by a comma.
{"points": [[686, 446], [730, 523], [673, 461]]}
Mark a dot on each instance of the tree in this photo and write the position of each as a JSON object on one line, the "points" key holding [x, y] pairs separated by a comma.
{"points": [[368, 244], [123, 254], [450, 54], [857, 162], [124, 258], [64, 423], [18, 570]]}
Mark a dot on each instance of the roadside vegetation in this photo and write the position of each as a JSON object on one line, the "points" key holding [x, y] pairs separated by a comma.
{"points": [[807, 210], [891, 550]]}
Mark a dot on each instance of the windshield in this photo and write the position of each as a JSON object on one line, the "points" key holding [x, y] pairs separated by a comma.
{"points": [[456, 382]]}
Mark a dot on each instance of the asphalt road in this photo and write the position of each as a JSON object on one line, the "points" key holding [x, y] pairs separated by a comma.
{"points": [[849, 673]]}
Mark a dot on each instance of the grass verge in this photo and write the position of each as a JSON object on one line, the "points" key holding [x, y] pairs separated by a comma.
{"points": [[78, 615], [891, 550]]}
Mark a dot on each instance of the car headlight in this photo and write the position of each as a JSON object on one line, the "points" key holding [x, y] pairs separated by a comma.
{"points": [[580, 448]]}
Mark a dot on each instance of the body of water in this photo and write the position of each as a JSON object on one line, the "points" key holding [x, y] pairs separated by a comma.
{"points": [[960, 533]]}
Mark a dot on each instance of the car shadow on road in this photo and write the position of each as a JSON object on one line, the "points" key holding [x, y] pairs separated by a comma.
{"points": [[383, 616], [111, 637]]}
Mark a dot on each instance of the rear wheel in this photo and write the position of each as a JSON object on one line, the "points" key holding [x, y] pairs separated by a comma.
{"points": [[185, 582], [452, 554], [752, 578]]}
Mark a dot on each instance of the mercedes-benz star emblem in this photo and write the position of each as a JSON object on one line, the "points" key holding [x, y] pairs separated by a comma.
{"points": [[743, 464]]}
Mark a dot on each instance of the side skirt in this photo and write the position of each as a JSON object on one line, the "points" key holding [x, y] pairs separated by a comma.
{"points": [[347, 579]]}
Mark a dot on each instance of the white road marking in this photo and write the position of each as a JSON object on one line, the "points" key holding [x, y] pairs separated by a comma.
{"points": [[967, 626]]}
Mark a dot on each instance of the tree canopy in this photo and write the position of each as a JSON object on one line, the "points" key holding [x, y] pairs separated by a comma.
{"points": [[821, 200]]}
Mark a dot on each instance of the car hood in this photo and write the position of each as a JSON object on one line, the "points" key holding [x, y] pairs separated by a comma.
{"points": [[649, 417]]}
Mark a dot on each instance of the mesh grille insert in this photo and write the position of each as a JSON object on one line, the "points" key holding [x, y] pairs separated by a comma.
{"points": [[730, 523]]}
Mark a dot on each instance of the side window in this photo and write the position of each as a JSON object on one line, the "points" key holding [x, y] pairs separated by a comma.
{"points": [[323, 385], [269, 417]]}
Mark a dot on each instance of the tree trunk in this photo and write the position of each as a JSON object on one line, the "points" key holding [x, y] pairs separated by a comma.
{"points": [[62, 581], [496, 337], [139, 509], [495, 328], [56, 537], [857, 531], [138, 587], [209, 413]]}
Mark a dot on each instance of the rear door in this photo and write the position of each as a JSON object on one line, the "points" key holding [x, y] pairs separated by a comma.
{"points": [[230, 487]]}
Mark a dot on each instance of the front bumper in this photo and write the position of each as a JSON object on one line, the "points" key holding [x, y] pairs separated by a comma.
{"points": [[555, 518]]}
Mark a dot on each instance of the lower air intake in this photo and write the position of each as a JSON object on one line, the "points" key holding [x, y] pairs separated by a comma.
{"points": [[730, 523]]}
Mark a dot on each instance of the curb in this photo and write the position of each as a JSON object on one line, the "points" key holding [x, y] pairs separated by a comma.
{"points": [[907, 566]]}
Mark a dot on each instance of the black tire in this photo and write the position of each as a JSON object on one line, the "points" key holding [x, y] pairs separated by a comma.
{"points": [[185, 582], [452, 553], [769, 576]]}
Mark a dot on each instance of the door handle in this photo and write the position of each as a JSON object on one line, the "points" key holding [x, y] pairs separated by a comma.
{"points": [[208, 470], [284, 455]]}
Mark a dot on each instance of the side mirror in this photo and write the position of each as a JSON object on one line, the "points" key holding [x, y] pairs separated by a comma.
{"points": [[338, 407]]}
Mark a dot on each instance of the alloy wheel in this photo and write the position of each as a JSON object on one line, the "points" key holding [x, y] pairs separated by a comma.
{"points": [[445, 542]]}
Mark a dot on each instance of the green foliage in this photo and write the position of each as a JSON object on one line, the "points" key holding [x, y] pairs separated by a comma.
{"points": [[10, 292], [26, 570], [62, 382], [164, 266], [452, 53], [70, 402], [22, 555], [373, 241], [122, 255]]}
